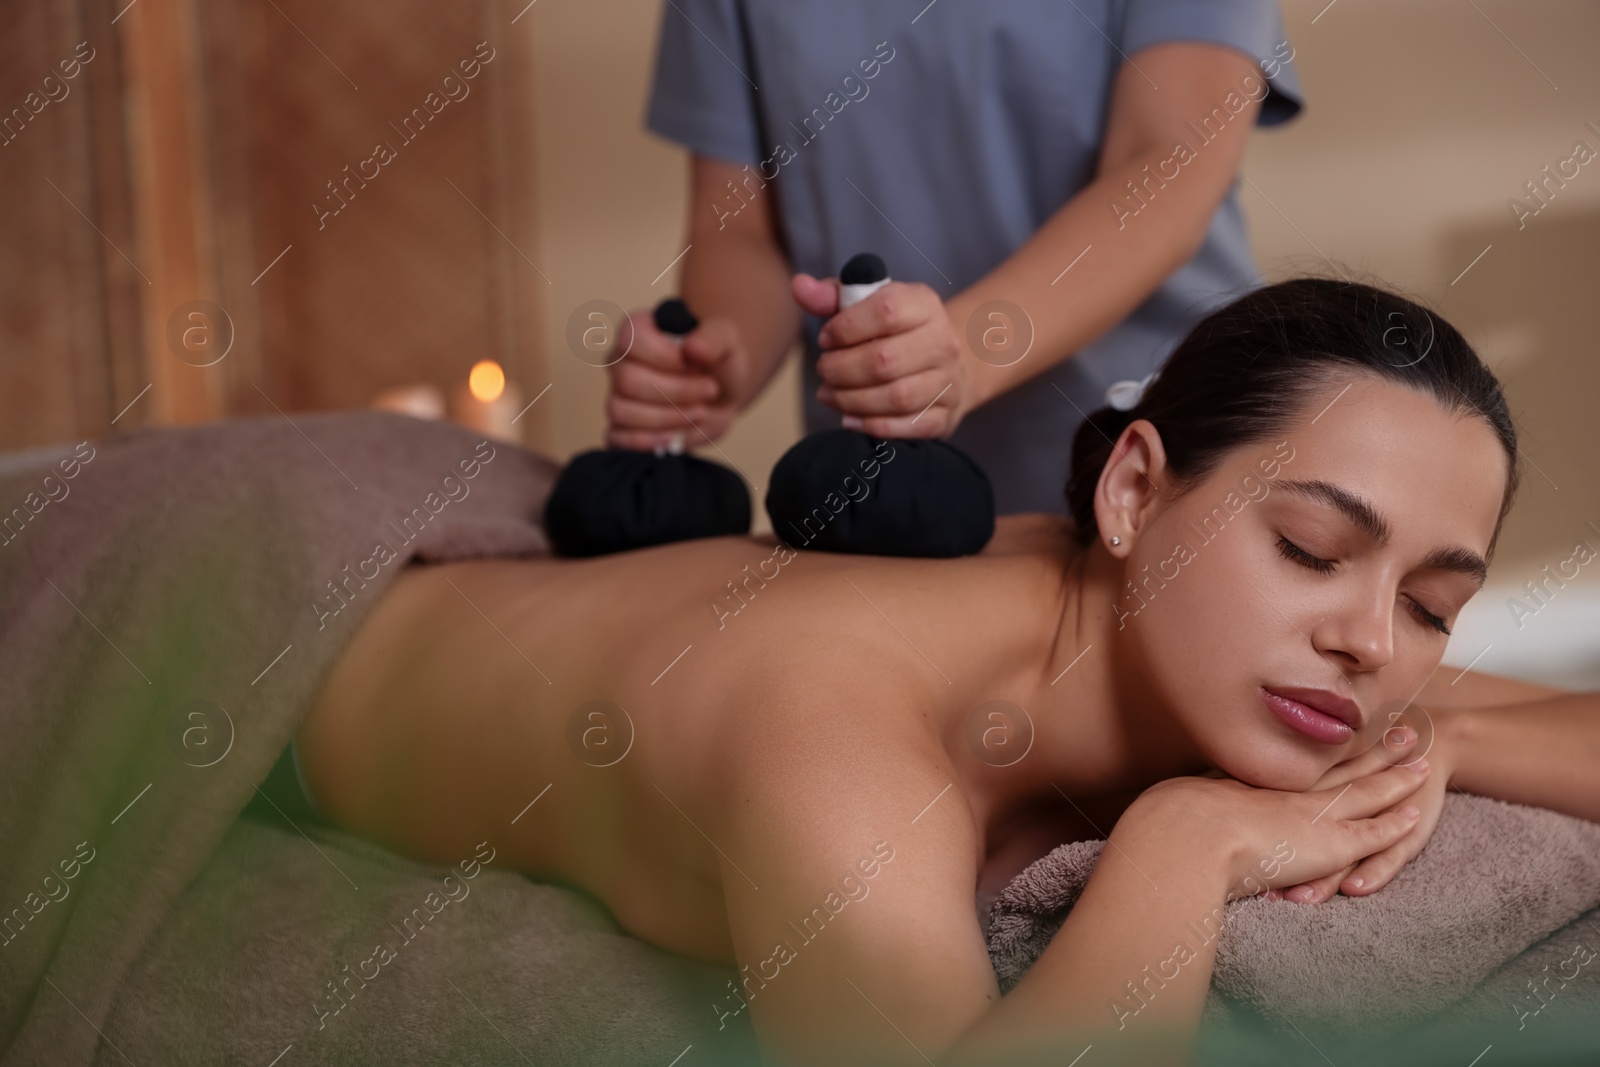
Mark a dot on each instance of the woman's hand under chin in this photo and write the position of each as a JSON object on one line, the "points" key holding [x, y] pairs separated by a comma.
{"points": [[1398, 746]]}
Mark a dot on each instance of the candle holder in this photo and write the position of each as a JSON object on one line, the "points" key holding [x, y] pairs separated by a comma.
{"points": [[421, 401], [486, 402]]}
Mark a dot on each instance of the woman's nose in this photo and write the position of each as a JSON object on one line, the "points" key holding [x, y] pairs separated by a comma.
{"points": [[1362, 630]]}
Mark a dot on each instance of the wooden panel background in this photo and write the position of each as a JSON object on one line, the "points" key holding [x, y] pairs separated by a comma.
{"points": [[68, 299], [186, 158], [411, 279]]}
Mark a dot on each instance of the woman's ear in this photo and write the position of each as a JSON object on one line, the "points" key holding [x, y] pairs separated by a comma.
{"points": [[1131, 486]]}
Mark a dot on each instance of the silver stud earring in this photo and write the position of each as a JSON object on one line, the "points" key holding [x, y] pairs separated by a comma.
{"points": [[1116, 540]]}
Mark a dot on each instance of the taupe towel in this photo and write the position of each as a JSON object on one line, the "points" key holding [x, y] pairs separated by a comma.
{"points": [[1496, 879], [167, 614]]}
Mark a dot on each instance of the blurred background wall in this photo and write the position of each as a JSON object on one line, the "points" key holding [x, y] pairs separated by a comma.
{"points": [[208, 160], [200, 221]]}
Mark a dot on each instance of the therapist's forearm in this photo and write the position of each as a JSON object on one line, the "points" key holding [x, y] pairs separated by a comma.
{"points": [[743, 277], [1121, 264], [1544, 753]]}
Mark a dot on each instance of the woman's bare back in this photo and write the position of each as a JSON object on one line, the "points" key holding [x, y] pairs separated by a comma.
{"points": [[577, 713]]}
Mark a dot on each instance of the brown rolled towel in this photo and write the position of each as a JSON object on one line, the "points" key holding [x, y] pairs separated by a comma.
{"points": [[1494, 880]]}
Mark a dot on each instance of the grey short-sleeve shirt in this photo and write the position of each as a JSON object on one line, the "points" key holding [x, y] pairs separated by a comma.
{"points": [[942, 137]]}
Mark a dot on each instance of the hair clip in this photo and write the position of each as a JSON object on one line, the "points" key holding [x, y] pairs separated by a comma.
{"points": [[1126, 394]]}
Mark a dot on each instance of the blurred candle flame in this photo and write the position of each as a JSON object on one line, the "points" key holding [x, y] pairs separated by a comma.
{"points": [[487, 380]]}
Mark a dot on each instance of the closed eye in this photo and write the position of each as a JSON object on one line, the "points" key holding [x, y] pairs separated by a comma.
{"points": [[1292, 551]]}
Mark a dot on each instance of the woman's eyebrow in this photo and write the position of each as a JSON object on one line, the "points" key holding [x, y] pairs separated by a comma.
{"points": [[1377, 529]]}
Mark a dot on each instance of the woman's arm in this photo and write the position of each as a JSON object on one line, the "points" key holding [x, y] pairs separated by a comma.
{"points": [[1518, 741], [1450, 687], [1543, 752], [850, 873], [1129, 969]]}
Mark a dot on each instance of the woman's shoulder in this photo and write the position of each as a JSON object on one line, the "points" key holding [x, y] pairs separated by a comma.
{"points": [[1031, 533]]}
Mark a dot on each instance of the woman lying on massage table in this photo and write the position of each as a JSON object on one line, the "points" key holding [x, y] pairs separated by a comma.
{"points": [[812, 786]]}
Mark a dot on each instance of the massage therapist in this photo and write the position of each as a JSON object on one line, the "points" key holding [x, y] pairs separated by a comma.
{"points": [[1052, 185]]}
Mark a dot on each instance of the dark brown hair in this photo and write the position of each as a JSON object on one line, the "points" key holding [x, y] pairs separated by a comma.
{"points": [[1246, 370]]}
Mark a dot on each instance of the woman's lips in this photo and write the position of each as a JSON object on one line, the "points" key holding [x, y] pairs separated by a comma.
{"points": [[1313, 724]]}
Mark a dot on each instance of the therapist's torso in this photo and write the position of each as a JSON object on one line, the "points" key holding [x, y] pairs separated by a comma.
{"points": [[943, 144]]}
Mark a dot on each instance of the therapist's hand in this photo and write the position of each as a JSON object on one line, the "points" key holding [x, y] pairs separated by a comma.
{"points": [[661, 388], [892, 363]]}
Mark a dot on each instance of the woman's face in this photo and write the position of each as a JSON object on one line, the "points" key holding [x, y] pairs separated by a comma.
{"points": [[1224, 605]]}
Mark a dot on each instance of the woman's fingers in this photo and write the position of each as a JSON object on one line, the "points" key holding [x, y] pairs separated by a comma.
{"points": [[1318, 888], [1391, 771], [1367, 875], [1362, 819], [1373, 835], [1397, 745], [1409, 737], [1364, 797], [1376, 871]]}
